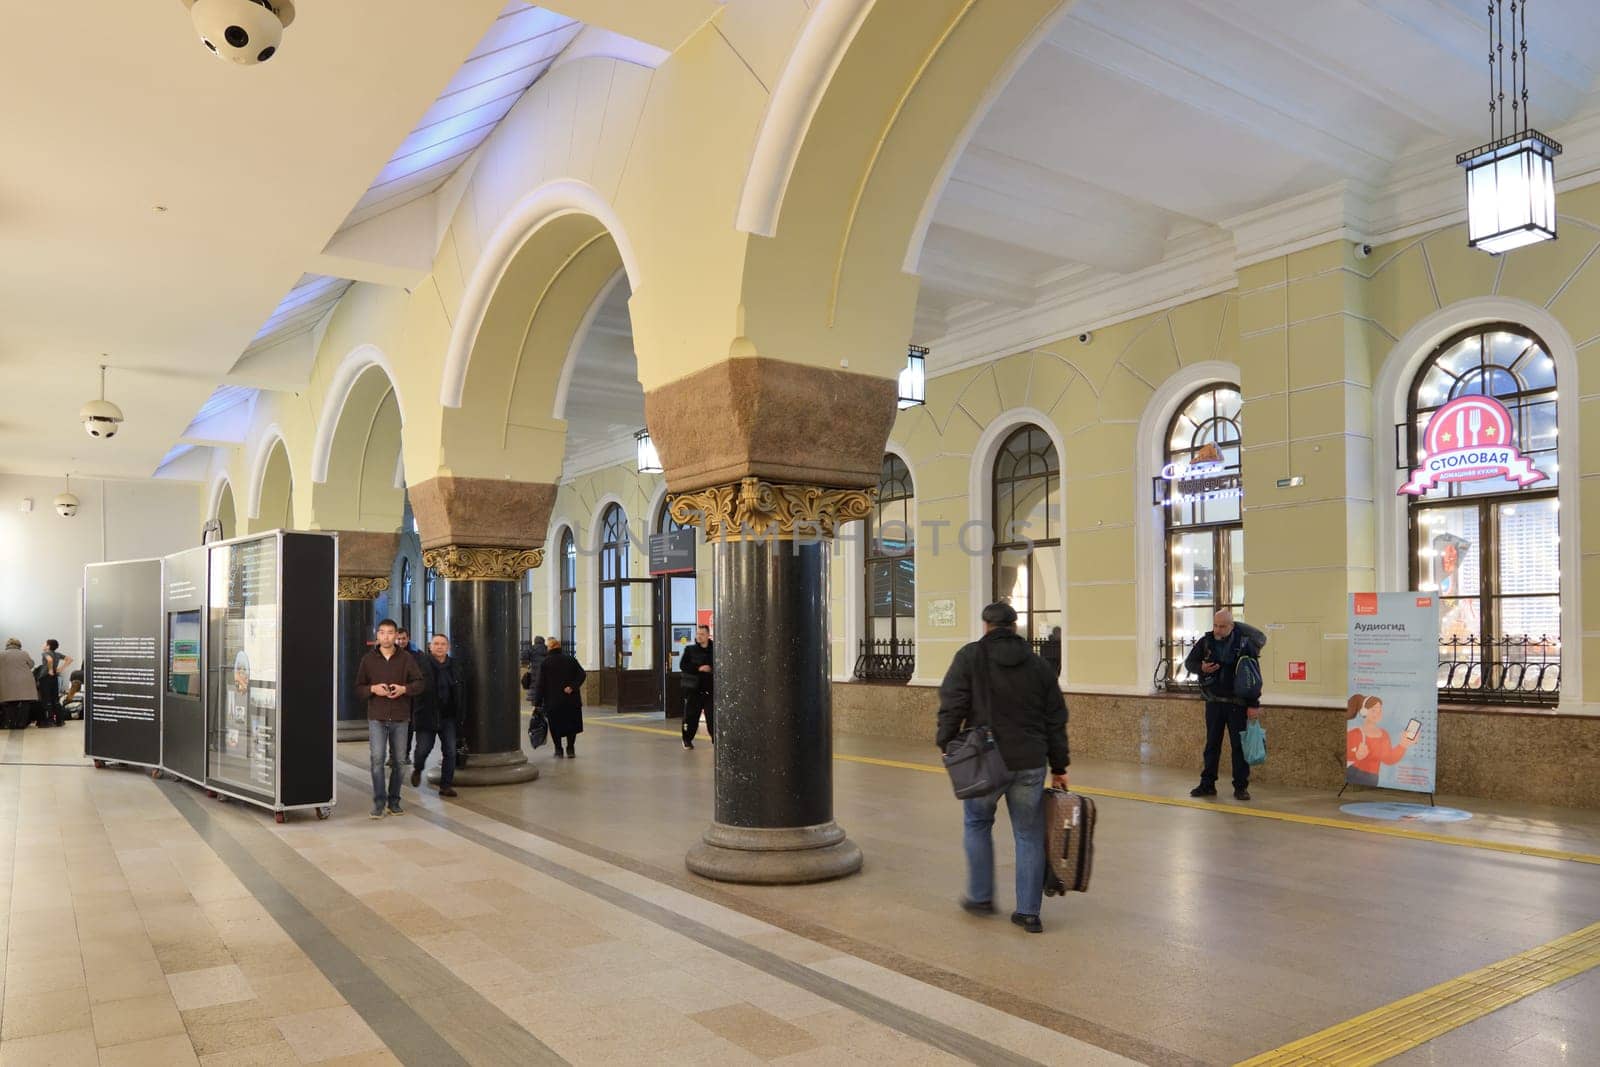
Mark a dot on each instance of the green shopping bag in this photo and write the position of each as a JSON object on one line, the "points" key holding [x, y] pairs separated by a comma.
{"points": [[1255, 743]]}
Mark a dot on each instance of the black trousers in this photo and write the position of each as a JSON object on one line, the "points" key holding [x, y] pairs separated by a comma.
{"points": [[1232, 718], [695, 702]]}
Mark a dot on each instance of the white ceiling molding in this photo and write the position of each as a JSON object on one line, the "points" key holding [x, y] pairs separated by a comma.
{"points": [[594, 42], [285, 366], [1338, 212], [395, 248], [597, 457]]}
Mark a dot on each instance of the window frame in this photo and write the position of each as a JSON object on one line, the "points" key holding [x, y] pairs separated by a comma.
{"points": [[567, 592], [896, 662], [1050, 456]]}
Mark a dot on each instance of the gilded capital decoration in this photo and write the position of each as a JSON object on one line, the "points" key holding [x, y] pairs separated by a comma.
{"points": [[756, 510], [354, 587], [470, 563]]}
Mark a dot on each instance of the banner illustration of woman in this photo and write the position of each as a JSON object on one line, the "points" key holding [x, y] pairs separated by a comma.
{"points": [[1367, 745]]}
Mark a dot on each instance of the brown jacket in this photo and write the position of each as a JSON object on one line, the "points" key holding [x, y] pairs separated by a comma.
{"points": [[399, 669]]}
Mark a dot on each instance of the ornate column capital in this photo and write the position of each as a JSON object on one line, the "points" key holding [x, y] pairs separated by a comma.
{"points": [[755, 510], [478, 563], [360, 587]]}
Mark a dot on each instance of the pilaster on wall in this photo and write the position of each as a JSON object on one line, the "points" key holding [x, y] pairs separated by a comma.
{"points": [[1307, 350]]}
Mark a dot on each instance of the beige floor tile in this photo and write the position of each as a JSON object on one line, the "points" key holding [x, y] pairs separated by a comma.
{"points": [[756, 1031], [276, 1054], [210, 986], [119, 1022], [125, 981], [171, 1051], [23, 977], [45, 1013], [376, 1058], [322, 1035], [193, 954], [68, 1048], [296, 992], [230, 1026]]}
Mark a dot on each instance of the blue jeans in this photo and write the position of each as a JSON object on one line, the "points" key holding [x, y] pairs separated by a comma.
{"points": [[385, 739], [446, 735], [1025, 805]]}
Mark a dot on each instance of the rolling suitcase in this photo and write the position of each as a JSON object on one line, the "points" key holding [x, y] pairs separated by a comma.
{"points": [[1068, 842]]}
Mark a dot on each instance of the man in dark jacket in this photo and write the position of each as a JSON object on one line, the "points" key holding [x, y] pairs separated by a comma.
{"points": [[1212, 660], [387, 679], [437, 714], [695, 663], [999, 680], [560, 694]]}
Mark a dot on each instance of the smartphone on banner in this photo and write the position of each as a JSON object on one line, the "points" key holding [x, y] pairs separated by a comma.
{"points": [[1413, 728]]}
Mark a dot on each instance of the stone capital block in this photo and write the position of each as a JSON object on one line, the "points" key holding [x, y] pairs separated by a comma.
{"points": [[482, 512], [364, 554], [781, 422]]}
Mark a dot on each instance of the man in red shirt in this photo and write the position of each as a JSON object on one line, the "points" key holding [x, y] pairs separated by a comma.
{"points": [[387, 679]]}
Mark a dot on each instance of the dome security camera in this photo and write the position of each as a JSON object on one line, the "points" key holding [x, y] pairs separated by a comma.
{"points": [[1085, 337], [244, 32], [1362, 250], [101, 418], [66, 505]]}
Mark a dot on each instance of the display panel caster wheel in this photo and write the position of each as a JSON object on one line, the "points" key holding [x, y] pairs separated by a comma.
{"points": [[279, 816], [99, 764], [212, 793], [323, 813], [155, 772]]}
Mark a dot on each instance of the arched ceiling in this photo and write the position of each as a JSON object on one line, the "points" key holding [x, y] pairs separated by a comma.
{"points": [[604, 400]]}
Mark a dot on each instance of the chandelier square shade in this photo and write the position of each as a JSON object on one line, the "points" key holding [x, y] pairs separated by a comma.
{"points": [[649, 458], [914, 378], [1511, 192]]}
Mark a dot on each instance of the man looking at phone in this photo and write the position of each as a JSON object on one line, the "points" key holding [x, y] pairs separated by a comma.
{"points": [[387, 679], [1212, 660]]}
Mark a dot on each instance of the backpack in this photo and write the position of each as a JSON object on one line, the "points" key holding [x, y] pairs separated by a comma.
{"points": [[1247, 680]]}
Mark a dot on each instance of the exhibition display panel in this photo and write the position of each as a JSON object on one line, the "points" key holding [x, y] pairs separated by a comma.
{"points": [[217, 665]]}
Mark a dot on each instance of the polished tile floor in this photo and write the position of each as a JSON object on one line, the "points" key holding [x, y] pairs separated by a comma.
{"points": [[148, 924]]}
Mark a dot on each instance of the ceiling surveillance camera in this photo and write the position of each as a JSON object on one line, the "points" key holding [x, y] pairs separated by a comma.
{"points": [[1085, 337], [244, 32], [66, 505], [1362, 250], [101, 418]]}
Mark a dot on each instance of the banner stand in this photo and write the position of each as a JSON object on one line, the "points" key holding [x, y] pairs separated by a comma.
{"points": [[1392, 714], [1342, 788]]}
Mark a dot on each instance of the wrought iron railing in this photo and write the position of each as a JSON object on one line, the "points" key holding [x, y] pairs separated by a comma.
{"points": [[886, 659], [1514, 669], [1171, 675]]}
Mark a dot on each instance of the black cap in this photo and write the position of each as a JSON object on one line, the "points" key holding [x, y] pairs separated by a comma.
{"points": [[1000, 614]]}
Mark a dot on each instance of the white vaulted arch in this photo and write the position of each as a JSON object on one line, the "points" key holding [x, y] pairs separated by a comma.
{"points": [[273, 435], [359, 360]]}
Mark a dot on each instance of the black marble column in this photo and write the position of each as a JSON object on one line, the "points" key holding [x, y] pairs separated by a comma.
{"points": [[480, 615], [774, 742], [355, 631]]}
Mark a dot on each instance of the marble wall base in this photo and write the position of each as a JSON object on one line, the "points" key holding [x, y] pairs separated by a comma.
{"points": [[1498, 755]]}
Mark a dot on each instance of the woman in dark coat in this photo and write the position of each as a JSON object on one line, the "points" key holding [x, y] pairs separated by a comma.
{"points": [[559, 692]]}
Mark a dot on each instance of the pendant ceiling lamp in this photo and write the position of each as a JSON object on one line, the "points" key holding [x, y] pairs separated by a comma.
{"points": [[649, 458], [914, 378], [1511, 181]]}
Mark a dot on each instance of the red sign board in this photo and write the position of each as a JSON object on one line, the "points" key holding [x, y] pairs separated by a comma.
{"points": [[1366, 603], [703, 618], [1297, 671]]}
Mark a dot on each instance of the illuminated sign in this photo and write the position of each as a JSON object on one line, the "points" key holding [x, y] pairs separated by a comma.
{"points": [[1204, 478], [1469, 439]]}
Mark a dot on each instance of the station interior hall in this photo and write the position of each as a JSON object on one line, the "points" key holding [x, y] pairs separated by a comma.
{"points": [[715, 532]]}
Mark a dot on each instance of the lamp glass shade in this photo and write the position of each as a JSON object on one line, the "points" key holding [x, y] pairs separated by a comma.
{"points": [[1511, 192], [649, 459], [914, 378]]}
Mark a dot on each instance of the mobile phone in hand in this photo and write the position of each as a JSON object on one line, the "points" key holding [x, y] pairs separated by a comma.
{"points": [[1413, 729]]}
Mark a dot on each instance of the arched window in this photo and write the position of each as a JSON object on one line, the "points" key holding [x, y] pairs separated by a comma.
{"points": [[1200, 489], [405, 593], [569, 591], [1488, 545], [679, 593], [430, 592], [888, 651], [1027, 531]]}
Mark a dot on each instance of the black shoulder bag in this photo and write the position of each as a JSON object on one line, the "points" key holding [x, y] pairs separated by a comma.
{"points": [[973, 759]]}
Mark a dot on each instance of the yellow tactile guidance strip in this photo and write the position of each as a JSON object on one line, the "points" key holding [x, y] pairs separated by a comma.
{"points": [[1224, 809], [1405, 1024]]}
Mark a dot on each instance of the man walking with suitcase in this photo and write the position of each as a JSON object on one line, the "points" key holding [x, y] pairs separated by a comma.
{"points": [[999, 680], [1213, 660]]}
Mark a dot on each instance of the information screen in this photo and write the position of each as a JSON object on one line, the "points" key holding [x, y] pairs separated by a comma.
{"points": [[244, 667], [183, 652], [122, 690]]}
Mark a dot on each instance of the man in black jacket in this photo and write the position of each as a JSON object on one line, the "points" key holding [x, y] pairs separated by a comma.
{"points": [[437, 713], [1212, 660], [999, 680], [695, 663]]}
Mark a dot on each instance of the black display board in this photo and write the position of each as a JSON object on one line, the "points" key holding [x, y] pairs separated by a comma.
{"points": [[310, 658], [183, 717], [123, 666], [672, 552]]}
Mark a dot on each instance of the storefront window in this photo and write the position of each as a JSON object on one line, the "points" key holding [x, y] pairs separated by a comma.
{"points": [[429, 597], [1489, 545], [1201, 492], [888, 650], [1027, 531]]}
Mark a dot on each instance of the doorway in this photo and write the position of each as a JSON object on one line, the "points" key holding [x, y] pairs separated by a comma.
{"points": [[629, 641]]}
